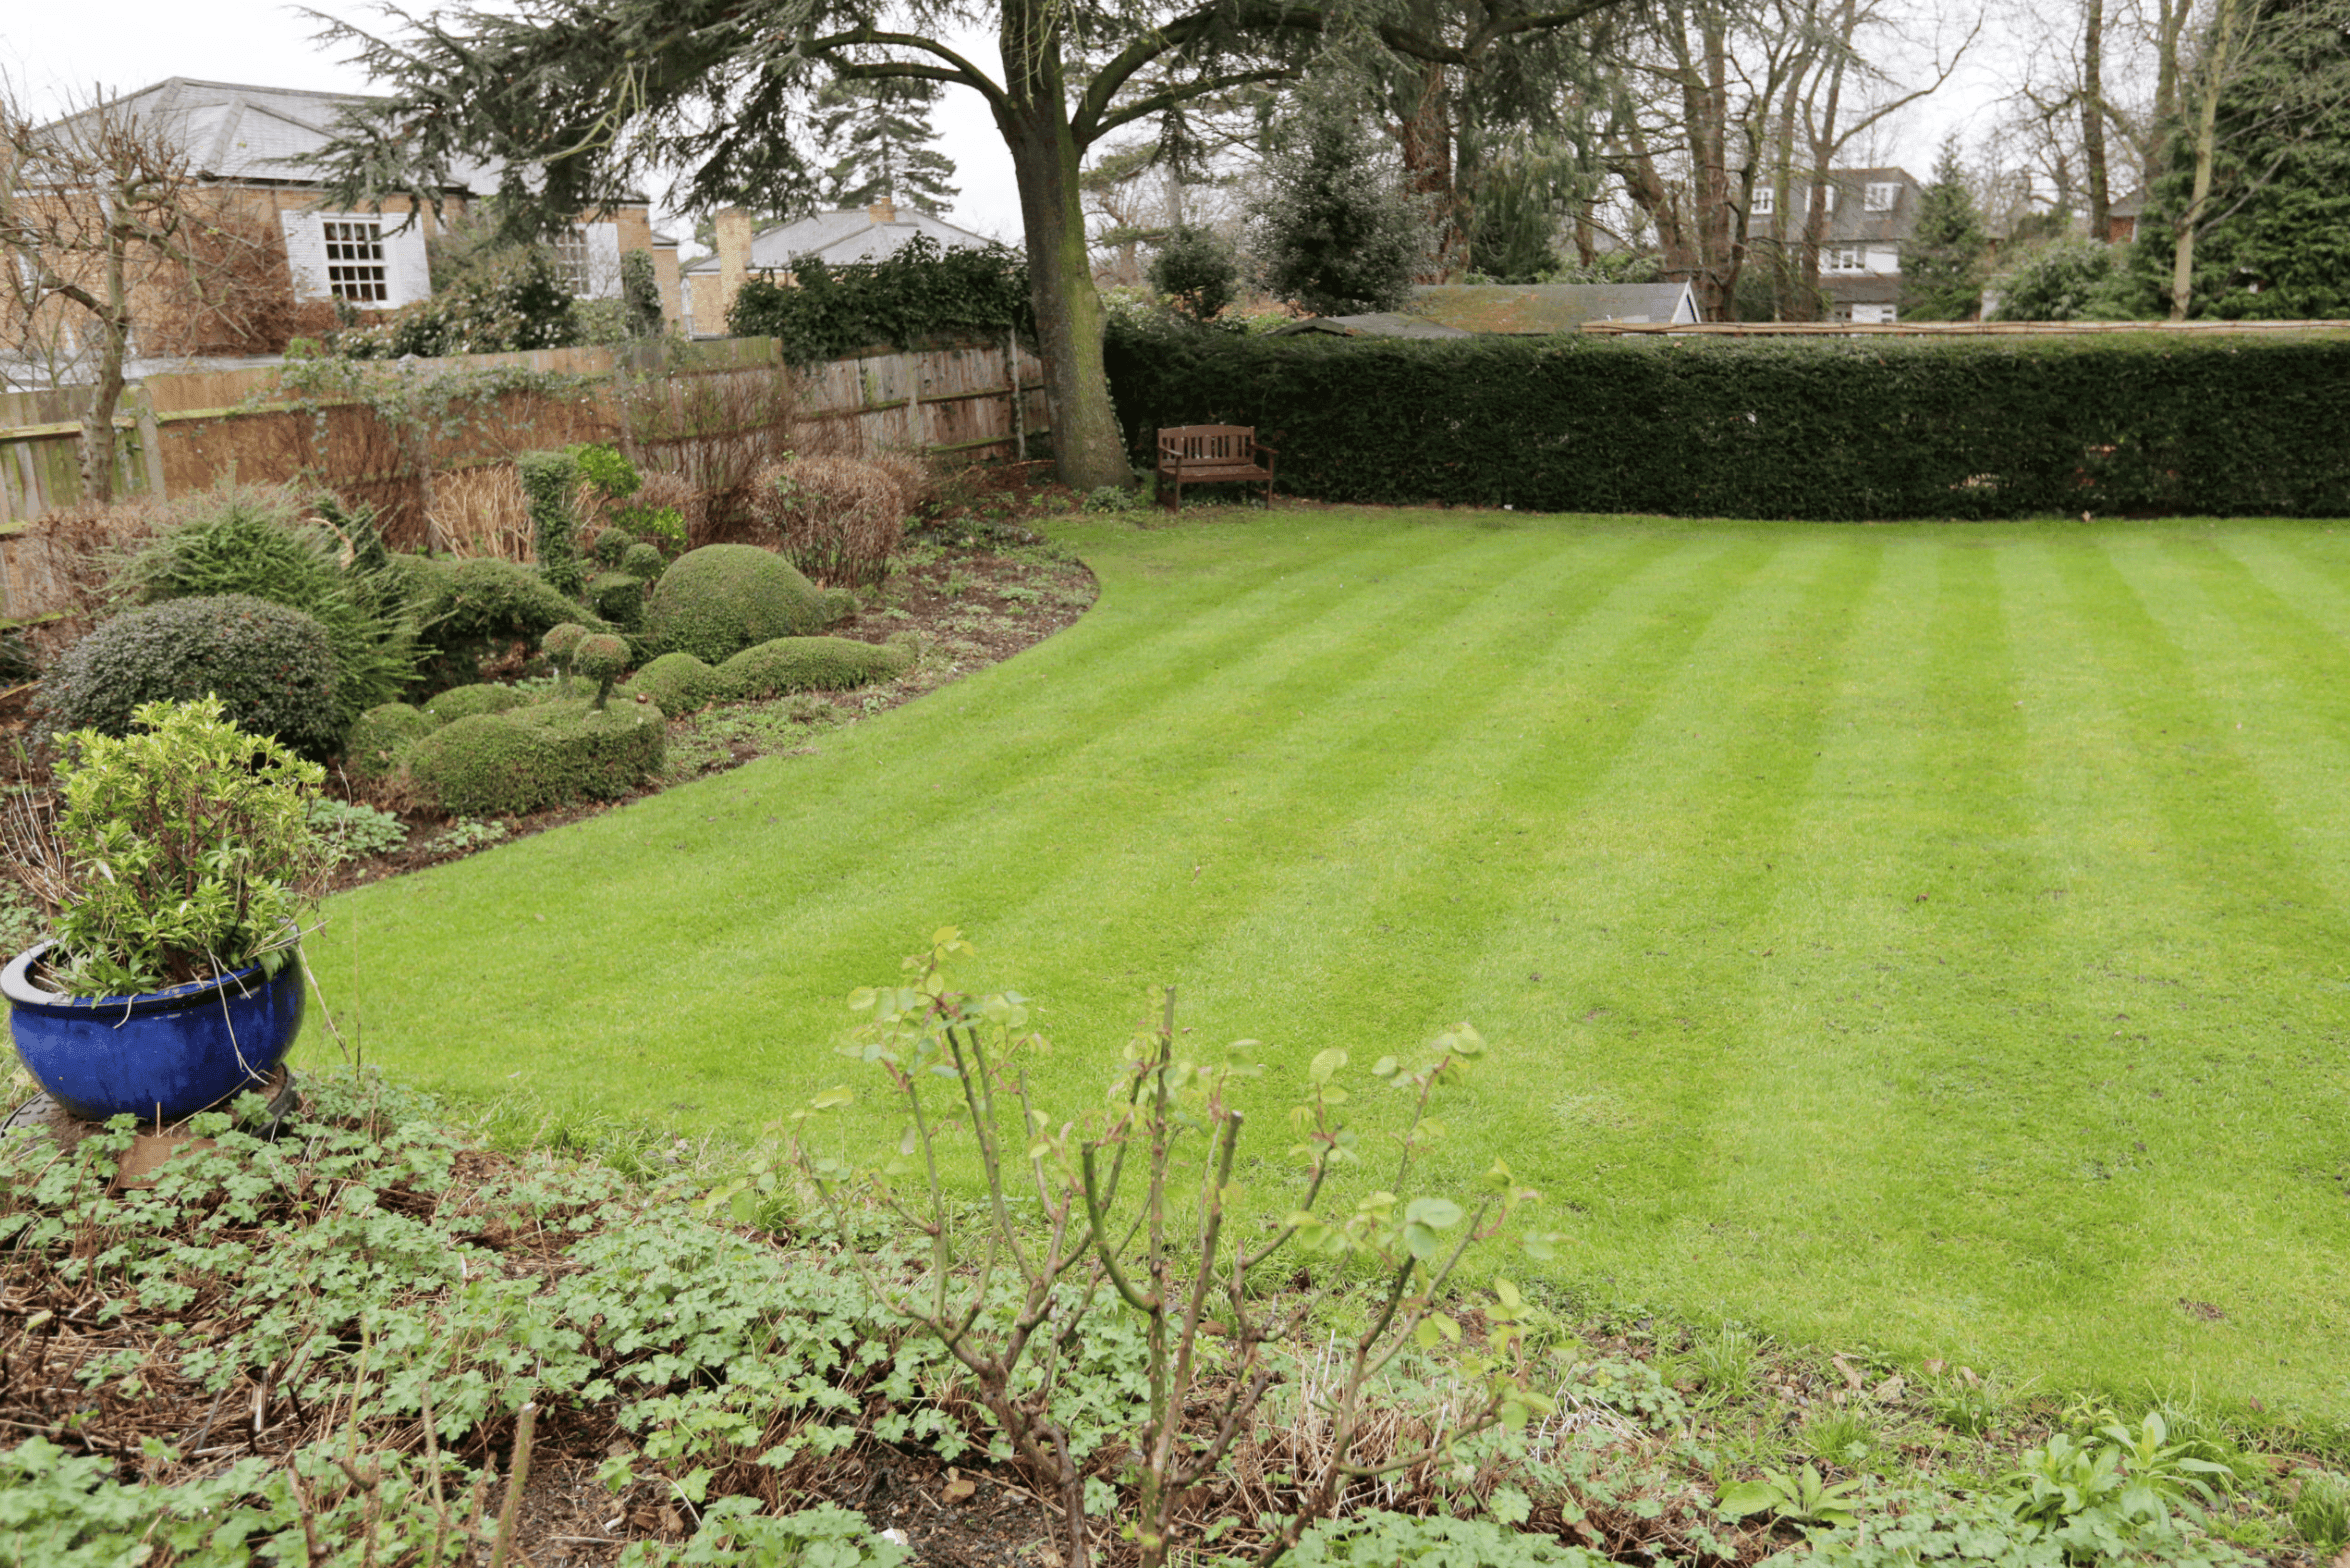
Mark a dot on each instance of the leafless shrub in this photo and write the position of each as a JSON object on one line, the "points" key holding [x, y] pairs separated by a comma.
{"points": [[838, 519], [664, 490], [919, 487], [482, 512], [236, 296], [715, 431], [66, 561]]}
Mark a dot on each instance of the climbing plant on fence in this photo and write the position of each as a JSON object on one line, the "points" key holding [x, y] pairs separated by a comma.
{"points": [[829, 312], [1836, 429]]}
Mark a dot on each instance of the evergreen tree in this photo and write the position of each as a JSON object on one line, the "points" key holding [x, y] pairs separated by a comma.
{"points": [[2273, 238], [1942, 270], [1336, 232], [1195, 270], [877, 136]]}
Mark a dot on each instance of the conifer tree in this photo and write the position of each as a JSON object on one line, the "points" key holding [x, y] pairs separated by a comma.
{"points": [[1942, 269], [1336, 232], [877, 135]]}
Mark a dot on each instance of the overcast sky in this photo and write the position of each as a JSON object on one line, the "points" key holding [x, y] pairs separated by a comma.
{"points": [[52, 48]]}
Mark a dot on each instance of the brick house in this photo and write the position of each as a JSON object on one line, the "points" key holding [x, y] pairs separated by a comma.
{"points": [[1872, 217], [248, 144], [836, 238]]}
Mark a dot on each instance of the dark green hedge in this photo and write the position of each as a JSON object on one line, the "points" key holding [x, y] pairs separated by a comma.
{"points": [[921, 291], [1710, 427]]}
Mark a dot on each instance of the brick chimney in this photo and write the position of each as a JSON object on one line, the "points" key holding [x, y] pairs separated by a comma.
{"points": [[734, 258], [883, 211]]}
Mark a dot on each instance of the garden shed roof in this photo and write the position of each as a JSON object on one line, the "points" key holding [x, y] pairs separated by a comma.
{"points": [[1543, 309], [1377, 324]]}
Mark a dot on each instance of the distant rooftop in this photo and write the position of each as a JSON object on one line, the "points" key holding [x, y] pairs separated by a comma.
{"points": [[1376, 324], [1542, 309], [856, 234]]}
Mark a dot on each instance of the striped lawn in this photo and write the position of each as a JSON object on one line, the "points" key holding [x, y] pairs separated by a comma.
{"points": [[1928, 938]]}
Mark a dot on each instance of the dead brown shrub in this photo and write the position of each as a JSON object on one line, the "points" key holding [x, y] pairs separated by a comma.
{"points": [[838, 519], [64, 564], [482, 512], [919, 487], [238, 296], [715, 431]]}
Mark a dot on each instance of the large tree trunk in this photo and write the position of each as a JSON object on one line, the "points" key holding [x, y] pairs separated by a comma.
{"points": [[2093, 117], [1035, 125], [1425, 140]]}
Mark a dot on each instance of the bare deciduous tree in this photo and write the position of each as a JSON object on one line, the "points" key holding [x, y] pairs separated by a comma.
{"points": [[101, 209]]}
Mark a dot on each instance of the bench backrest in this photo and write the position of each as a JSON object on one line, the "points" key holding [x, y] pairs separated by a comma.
{"points": [[1211, 443]]}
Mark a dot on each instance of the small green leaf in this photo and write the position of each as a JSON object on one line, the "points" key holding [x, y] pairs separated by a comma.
{"points": [[1325, 1064], [1749, 1498]]}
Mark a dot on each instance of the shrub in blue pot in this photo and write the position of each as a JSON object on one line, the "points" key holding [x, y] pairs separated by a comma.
{"points": [[184, 856]]}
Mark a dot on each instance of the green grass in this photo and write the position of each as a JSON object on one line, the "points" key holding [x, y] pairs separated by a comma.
{"points": [[1928, 938]]}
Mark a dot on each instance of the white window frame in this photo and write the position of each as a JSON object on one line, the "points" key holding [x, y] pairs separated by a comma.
{"points": [[1828, 199], [1844, 260], [571, 259], [355, 264], [1880, 315], [1765, 204], [1881, 195]]}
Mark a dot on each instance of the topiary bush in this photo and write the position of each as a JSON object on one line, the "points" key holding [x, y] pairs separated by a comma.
{"points": [[679, 682], [266, 542], [532, 758], [373, 747], [272, 666], [601, 659], [718, 600], [463, 609], [643, 562], [619, 598], [550, 480], [791, 664], [463, 702], [560, 643]]}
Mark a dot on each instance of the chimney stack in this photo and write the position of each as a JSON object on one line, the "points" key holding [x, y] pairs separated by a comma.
{"points": [[883, 211], [734, 257]]}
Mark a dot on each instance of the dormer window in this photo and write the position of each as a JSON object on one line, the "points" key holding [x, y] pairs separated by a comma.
{"points": [[1881, 195]]}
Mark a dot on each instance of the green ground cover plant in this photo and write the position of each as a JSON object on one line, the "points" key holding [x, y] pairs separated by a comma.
{"points": [[1928, 935]]}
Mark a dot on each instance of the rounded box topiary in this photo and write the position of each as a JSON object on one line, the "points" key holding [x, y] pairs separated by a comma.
{"points": [[463, 702], [679, 682], [382, 736], [718, 600], [549, 754], [272, 667], [791, 664]]}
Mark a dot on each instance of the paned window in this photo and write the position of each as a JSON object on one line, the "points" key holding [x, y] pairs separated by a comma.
{"points": [[571, 259], [1764, 199], [1881, 195], [355, 261], [1843, 258]]}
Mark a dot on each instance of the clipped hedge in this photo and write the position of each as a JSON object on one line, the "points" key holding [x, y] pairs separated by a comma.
{"points": [[547, 754], [550, 482], [1831, 429], [679, 682], [791, 664], [463, 702], [273, 667], [718, 600], [382, 736]]}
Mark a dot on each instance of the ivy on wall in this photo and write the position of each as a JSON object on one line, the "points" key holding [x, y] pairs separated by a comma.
{"points": [[829, 312]]}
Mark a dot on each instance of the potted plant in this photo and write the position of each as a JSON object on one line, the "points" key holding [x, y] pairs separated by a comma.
{"points": [[182, 858]]}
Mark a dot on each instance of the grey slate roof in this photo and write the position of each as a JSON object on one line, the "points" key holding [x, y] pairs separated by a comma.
{"points": [[1852, 222], [1377, 324], [239, 132], [840, 237], [1544, 309]]}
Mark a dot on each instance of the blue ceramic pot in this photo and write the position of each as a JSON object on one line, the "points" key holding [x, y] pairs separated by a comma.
{"points": [[165, 1054]]}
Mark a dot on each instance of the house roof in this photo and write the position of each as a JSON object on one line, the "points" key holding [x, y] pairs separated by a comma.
{"points": [[236, 131], [1548, 308], [2132, 205], [1851, 221], [1377, 324], [838, 238]]}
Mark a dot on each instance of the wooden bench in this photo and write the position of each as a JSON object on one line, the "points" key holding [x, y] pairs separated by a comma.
{"points": [[1212, 454]]}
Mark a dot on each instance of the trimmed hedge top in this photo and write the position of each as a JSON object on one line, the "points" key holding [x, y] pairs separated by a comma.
{"points": [[1827, 429]]}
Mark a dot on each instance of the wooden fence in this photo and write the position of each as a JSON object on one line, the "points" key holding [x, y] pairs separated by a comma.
{"points": [[180, 434]]}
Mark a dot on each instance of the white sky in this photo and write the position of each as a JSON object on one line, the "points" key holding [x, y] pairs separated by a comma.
{"points": [[51, 46]]}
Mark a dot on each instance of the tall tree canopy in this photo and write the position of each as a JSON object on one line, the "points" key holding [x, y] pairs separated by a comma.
{"points": [[878, 135], [585, 97], [1942, 271]]}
